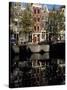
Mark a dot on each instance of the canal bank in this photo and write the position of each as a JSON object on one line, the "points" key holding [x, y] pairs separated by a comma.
{"points": [[33, 48], [54, 48]]}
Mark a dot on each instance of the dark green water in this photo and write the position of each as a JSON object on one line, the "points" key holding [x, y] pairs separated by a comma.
{"points": [[37, 70]]}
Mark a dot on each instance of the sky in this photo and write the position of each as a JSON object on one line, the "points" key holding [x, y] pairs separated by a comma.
{"points": [[50, 7]]}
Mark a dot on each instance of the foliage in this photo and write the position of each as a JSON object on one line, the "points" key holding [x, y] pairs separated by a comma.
{"points": [[27, 20], [55, 21]]}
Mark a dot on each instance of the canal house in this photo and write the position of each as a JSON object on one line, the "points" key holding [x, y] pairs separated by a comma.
{"points": [[39, 32]]}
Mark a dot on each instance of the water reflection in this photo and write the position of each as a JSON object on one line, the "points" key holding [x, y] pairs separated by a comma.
{"points": [[38, 70], [37, 56]]}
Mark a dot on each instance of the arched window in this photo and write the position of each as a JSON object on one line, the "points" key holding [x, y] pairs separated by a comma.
{"points": [[38, 28], [34, 39], [35, 28]]}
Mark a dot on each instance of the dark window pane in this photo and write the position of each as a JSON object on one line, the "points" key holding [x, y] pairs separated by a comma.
{"points": [[38, 11], [38, 28], [34, 11], [35, 28]]}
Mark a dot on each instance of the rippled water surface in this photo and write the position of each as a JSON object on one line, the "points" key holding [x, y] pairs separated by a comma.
{"points": [[37, 70]]}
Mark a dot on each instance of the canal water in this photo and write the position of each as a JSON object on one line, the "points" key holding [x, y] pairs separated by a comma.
{"points": [[36, 70]]}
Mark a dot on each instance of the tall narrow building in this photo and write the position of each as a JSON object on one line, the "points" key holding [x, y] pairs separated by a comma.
{"points": [[38, 34]]}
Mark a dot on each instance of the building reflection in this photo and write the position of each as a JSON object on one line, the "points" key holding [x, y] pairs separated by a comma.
{"points": [[37, 71], [39, 68]]}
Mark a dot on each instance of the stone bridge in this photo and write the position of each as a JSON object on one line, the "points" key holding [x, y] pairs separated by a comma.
{"points": [[38, 48]]}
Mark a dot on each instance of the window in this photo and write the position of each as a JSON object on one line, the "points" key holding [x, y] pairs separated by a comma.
{"points": [[35, 28], [34, 11], [38, 28], [34, 38], [38, 11], [43, 35], [38, 35]]}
